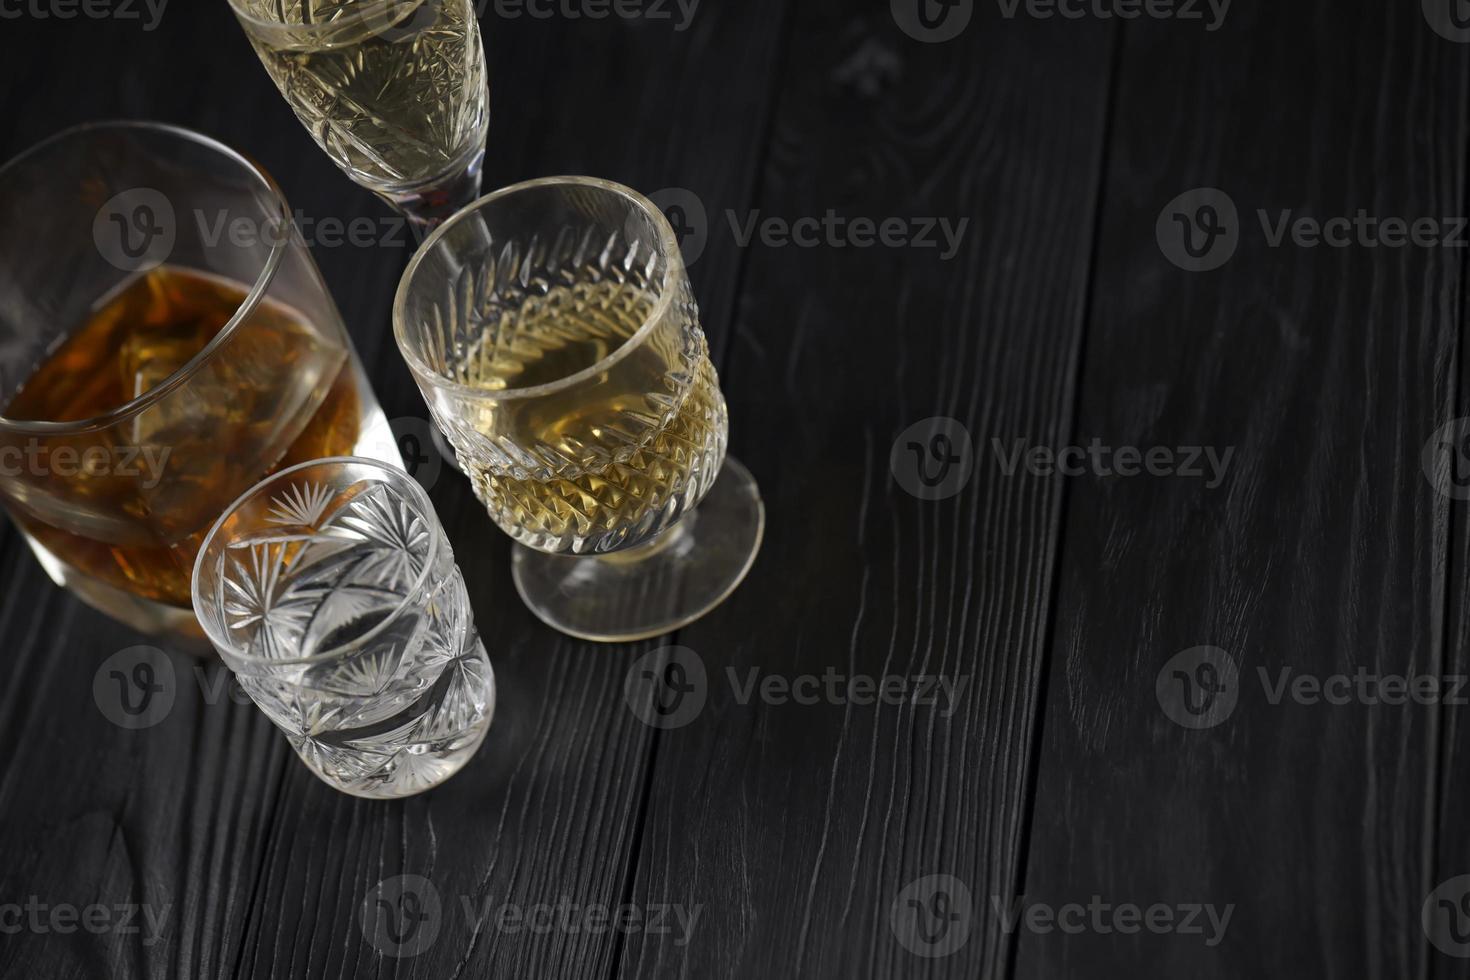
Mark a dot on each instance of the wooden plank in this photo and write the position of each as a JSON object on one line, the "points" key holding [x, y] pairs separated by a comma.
{"points": [[547, 812], [267, 870], [1321, 553], [170, 818], [795, 827]]}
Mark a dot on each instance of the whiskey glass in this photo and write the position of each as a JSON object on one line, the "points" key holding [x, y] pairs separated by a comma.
{"points": [[165, 342], [331, 591], [395, 91], [554, 334]]}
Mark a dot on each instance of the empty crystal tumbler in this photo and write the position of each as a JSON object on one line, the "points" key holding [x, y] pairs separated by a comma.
{"points": [[553, 331], [331, 591]]}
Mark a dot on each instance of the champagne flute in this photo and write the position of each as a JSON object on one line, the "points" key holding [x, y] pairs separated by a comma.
{"points": [[395, 91]]}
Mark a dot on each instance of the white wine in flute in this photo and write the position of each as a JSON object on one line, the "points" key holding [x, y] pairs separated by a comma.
{"points": [[394, 91]]}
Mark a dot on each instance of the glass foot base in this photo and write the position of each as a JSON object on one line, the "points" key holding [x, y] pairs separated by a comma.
{"points": [[656, 587]]}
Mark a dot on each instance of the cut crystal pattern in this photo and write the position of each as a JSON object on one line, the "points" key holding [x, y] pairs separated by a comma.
{"points": [[360, 641]]}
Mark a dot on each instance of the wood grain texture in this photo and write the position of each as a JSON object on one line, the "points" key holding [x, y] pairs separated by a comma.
{"points": [[1322, 553], [272, 866], [796, 826], [793, 828], [175, 816]]}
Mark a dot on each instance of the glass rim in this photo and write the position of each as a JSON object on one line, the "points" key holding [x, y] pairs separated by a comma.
{"points": [[399, 479], [366, 10], [247, 306], [669, 246]]}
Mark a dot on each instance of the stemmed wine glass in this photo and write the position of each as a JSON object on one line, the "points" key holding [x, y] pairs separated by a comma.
{"points": [[395, 91], [553, 332]]}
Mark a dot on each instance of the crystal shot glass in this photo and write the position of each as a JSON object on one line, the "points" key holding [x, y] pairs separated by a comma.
{"points": [[331, 592]]}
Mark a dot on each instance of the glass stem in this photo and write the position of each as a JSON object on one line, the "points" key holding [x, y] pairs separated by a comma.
{"points": [[675, 537]]}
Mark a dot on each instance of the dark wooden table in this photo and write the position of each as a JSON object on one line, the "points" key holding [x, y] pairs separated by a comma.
{"points": [[1096, 766]]}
